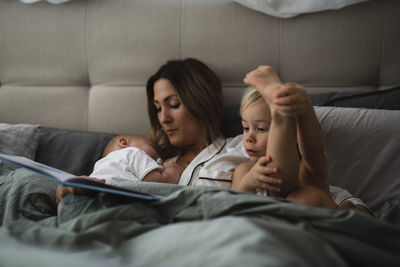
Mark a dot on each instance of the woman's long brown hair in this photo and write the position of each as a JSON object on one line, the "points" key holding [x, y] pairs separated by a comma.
{"points": [[200, 91]]}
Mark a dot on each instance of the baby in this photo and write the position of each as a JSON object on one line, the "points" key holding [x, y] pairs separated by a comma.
{"points": [[133, 158]]}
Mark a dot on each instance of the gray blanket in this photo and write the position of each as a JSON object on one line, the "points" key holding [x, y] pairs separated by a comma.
{"points": [[190, 227]]}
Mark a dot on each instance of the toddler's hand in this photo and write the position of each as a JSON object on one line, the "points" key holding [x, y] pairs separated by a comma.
{"points": [[291, 100], [259, 177]]}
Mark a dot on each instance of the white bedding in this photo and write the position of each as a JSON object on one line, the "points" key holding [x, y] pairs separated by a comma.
{"points": [[292, 8]]}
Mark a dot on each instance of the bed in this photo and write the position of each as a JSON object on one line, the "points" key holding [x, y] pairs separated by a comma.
{"points": [[72, 76]]}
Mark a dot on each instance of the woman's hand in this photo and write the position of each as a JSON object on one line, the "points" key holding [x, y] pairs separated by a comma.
{"points": [[63, 191], [258, 176], [291, 100]]}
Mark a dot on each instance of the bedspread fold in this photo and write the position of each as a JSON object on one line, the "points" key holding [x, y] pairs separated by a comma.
{"points": [[231, 228]]}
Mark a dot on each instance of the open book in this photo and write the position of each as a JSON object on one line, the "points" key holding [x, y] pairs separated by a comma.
{"points": [[67, 179]]}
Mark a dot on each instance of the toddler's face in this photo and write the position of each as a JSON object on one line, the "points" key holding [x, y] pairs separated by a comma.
{"points": [[256, 120]]}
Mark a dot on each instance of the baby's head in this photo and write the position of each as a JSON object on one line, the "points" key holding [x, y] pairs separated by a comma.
{"points": [[126, 140], [256, 119]]}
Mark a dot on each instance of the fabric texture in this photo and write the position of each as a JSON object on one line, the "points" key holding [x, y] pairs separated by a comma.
{"points": [[19, 139], [127, 164], [50, 1], [187, 224], [382, 99], [214, 165], [292, 8], [363, 147], [339, 195]]}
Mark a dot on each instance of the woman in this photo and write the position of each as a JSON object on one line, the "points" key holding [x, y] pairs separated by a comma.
{"points": [[185, 106]]}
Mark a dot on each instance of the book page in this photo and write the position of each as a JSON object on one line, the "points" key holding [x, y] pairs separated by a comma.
{"points": [[38, 167], [68, 179]]}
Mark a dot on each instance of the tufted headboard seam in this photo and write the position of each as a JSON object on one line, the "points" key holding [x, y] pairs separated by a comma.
{"points": [[84, 64]]}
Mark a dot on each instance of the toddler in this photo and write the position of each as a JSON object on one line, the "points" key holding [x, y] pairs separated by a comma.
{"points": [[282, 117]]}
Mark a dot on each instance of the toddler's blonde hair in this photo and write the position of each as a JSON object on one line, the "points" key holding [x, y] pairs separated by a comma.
{"points": [[250, 96]]}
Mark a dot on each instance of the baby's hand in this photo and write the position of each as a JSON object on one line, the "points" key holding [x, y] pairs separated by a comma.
{"points": [[172, 172]]}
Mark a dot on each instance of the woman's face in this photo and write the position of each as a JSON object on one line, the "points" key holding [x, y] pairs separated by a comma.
{"points": [[181, 128]]}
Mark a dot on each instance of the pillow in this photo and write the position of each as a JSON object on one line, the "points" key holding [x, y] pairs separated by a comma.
{"points": [[19, 139], [363, 147], [231, 124], [382, 99], [70, 150]]}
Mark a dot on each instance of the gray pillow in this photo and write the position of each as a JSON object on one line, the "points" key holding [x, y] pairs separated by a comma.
{"points": [[19, 139], [381, 99], [388, 99], [72, 151], [363, 147]]}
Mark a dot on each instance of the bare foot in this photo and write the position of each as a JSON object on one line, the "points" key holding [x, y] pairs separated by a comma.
{"points": [[265, 80]]}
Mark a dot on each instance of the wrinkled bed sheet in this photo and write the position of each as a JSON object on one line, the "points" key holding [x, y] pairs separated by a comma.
{"points": [[190, 227]]}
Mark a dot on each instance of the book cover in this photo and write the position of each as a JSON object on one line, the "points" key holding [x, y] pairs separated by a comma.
{"points": [[67, 179]]}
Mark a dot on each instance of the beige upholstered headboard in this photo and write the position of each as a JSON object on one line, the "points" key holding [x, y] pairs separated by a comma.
{"points": [[84, 64]]}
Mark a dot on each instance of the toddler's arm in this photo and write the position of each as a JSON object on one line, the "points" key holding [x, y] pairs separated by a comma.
{"points": [[250, 177]]}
